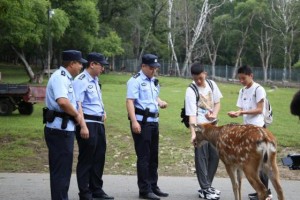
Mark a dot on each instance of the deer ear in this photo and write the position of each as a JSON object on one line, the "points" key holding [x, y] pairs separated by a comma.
{"points": [[193, 125], [197, 127], [215, 122]]}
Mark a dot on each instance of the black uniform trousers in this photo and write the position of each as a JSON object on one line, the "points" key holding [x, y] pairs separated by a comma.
{"points": [[60, 152], [146, 148], [91, 161]]}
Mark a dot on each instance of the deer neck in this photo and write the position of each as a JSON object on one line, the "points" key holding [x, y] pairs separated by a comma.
{"points": [[211, 134]]}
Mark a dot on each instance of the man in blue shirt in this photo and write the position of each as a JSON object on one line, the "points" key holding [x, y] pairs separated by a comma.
{"points": [[60, 117], [142, 104], [92, 146]]}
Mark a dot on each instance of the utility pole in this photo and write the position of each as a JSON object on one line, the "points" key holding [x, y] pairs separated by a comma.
{"points": [[50, 14]]}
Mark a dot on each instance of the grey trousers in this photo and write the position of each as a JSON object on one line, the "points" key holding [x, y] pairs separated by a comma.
{"points": [[206, 163], [264, 179]]}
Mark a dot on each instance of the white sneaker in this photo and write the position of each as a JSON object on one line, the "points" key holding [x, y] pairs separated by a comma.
{"points": [[212, 189], [208, 194]]}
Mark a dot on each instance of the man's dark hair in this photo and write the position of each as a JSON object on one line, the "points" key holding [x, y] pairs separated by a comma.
{"points": [[65, 64], [197, 69], [245, 69], [295, 104]]}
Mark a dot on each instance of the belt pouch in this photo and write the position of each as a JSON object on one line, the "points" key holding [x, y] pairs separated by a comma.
{"points": [[65, 121], [50, 116], [145, 115]]}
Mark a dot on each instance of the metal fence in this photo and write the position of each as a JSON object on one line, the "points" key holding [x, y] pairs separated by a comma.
{"points": [[225, 72]]}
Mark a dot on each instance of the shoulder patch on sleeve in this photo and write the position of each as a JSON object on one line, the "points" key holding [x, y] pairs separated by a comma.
{"points": [[63, 73], [82, 76], [136, 75]]}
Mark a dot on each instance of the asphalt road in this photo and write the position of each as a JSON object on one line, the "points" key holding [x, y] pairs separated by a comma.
{"points": [[31, 186]]}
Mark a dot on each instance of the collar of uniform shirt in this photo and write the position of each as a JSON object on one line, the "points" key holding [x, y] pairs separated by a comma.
{"points": [[90, 78], [144, 77]]}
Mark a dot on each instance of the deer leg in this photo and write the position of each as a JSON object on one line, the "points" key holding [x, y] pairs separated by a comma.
{"points": [[232, 172], [274, 177], [252, 174], [239, 178]]}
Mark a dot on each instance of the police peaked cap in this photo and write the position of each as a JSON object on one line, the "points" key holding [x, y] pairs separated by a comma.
{"points": [[97, 57], [73, 55], [151, 60]]}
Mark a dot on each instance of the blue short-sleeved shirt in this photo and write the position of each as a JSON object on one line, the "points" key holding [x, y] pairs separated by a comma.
{"points": [[88, 92], [60, 86], [145, 94]]}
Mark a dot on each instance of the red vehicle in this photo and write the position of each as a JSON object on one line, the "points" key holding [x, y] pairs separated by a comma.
{"points": [[21, 97]]}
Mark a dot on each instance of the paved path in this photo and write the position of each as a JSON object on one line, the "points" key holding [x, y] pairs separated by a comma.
{"points": [[36, 187]]}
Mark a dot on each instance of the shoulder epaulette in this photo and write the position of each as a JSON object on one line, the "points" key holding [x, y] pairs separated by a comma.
{"points": [[63, 73], [81, 76], [136, 75]]}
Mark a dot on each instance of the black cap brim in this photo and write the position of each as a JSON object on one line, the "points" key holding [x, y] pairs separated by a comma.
{"points": [[154, 65], [104, 62], [83, 60]]}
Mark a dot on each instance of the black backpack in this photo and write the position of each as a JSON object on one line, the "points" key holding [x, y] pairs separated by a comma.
{"points": [[184, 117]]}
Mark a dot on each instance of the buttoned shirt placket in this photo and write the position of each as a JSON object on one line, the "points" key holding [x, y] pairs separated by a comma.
{"points": [[98, 93], [152, 91]]}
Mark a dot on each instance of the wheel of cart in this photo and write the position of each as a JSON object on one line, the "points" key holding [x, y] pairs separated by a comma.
{"points": [[6, 107], [25, 108]]}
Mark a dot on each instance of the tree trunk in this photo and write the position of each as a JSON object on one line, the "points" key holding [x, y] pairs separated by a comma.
{"points": [[28, 69], [206, 10], [212, 49], [170, 41], [198, 31], [265, 50], [241, 47]]}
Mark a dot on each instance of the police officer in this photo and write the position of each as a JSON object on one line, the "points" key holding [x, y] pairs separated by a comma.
{"points": [[60, 117], [92, 147], [142, 104]]}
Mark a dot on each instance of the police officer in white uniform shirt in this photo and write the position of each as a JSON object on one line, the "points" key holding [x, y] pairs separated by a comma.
{"points": [[143, 104], [92, 147], [60, 116]]}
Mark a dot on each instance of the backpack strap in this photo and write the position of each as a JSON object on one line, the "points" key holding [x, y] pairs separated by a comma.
{"points": [[255, 91], [210, 84], [194, 87]]}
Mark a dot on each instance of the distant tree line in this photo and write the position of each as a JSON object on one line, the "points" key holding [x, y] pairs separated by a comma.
{"points": [[260, 33]]}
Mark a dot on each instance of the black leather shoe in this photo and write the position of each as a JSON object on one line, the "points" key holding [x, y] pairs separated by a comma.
{"points": [[103, 196], [149, 195], [159, 193]]}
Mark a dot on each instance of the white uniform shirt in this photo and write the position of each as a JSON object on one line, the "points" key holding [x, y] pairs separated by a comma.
{"points": [[207, 99], [60, 86], [88, 92], [248, 99], [145, 94]]}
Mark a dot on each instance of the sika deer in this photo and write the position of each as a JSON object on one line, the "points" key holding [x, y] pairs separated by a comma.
{"points": [[244, 148]]}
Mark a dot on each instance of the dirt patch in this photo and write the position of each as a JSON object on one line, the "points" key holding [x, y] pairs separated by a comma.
{"points": [[183, 164], [174, 161]]}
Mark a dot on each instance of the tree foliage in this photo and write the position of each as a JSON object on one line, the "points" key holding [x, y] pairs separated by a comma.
{"points": [[234, 33]]}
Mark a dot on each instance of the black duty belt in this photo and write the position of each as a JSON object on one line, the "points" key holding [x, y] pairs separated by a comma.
{"points": [[146, 113], [94, 118], [49, 116], [62, 115]]}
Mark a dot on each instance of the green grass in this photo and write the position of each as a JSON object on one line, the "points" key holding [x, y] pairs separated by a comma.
{"points": [[22, 146]]}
